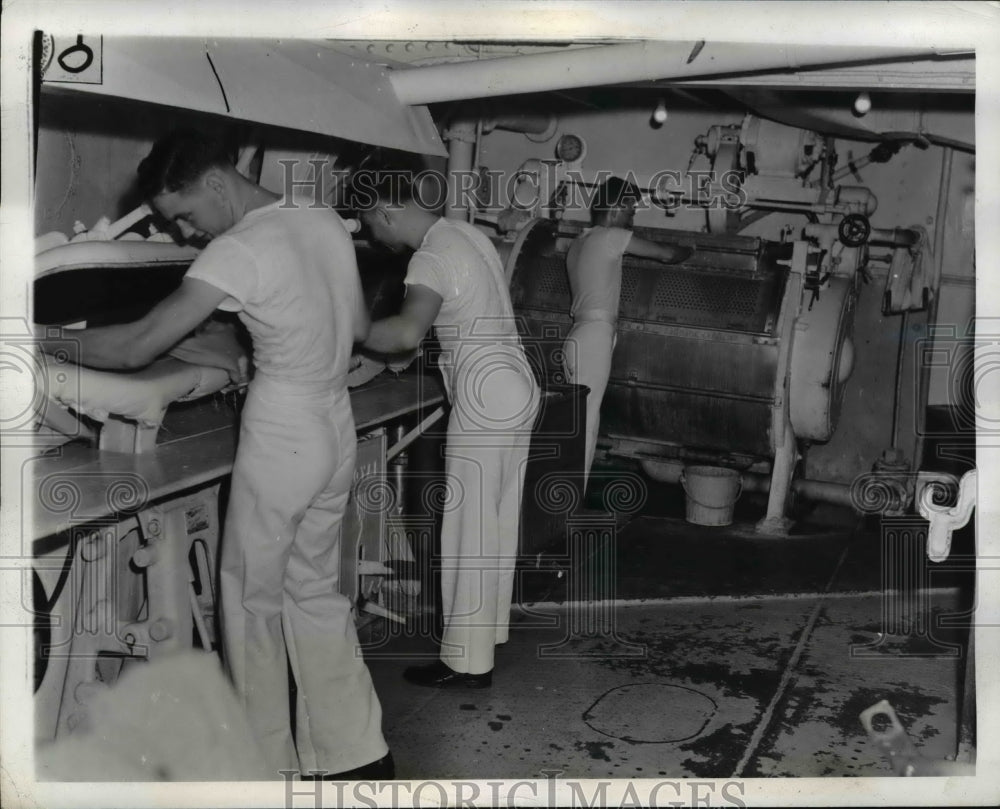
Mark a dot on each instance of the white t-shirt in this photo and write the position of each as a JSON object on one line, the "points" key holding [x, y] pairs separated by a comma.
{"points": [[291, 273], [461, 265], [594, 266]]}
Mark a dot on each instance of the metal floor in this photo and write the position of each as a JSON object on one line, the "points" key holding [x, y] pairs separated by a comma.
{"points": [[708, 652]]}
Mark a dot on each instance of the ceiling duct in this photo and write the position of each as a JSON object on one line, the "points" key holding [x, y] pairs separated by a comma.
{"points": [[616, 64]]}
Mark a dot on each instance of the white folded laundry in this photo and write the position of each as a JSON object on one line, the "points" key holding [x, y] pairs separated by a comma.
{"points": [[139, 395]]}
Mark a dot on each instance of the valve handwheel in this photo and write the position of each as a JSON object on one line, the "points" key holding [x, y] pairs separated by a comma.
{"points": [[854, 230]]}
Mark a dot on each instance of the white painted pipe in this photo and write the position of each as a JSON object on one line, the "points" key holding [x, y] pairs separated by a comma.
{"points": [[614, 64], [825, 491], [923, 374], [245, 158], [665, 471], [460, 157], [543, 124], [461, 138]]}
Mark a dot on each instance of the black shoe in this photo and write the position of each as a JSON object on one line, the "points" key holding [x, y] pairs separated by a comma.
{"points": [[382, 770], [440, 675]]}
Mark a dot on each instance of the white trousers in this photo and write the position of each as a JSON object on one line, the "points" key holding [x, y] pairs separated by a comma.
{"points": [[587, 361], [279, 580], [489, 436]]}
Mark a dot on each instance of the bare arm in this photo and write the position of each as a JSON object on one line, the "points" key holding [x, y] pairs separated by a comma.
{"points": [[128, 346], [667, 253], [403, 332], [362, 320]]}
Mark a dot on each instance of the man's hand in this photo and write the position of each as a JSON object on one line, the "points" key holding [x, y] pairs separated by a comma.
{"points": [[678, 253], [129, 346], [667, 253], [215, 344], [403, 332]]}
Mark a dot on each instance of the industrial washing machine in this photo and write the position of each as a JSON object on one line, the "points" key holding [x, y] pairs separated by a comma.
{"points": [[734, 357]]}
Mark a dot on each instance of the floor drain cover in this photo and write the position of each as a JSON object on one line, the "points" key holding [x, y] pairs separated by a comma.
{"points": [[651, 712]]}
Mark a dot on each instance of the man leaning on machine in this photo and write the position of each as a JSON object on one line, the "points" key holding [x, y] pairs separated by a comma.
{"points": [[289, 270]]}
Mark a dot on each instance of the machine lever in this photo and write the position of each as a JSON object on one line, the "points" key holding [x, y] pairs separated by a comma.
{"points": [[413, 435]]}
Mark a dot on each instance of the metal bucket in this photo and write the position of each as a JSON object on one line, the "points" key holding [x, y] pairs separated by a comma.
{"points": [[711, 493]]}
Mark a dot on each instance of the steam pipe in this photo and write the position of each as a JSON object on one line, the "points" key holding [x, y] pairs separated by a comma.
{"points": [[615, 64], [897, 237], [923, 373], [537, 127], [461, 137], [825, 491]]}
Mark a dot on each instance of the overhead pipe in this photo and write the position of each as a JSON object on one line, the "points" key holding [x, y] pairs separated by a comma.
{"points": [[615, 64]]}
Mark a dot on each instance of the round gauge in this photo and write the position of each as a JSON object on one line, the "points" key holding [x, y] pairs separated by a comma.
{"points": [[571, 148]]}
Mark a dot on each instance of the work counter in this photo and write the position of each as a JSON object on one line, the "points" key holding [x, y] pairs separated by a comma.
{"points": [[125, 546], [197, 444]]}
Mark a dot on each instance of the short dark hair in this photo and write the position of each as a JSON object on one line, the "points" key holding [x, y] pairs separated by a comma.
{"points": [[369, 187], [178, 159], [614, 193]]}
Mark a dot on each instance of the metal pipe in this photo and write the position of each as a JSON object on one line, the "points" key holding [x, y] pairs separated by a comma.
{"points": [[665, 471], [525, 123], [472, 210], [897, 237], [461, 138], [245, 158], [839, 494], [897, 389], [923, 372], [614, 64]]}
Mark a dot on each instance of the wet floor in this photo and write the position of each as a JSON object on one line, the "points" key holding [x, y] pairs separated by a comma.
{"points": [[655, 648]]}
